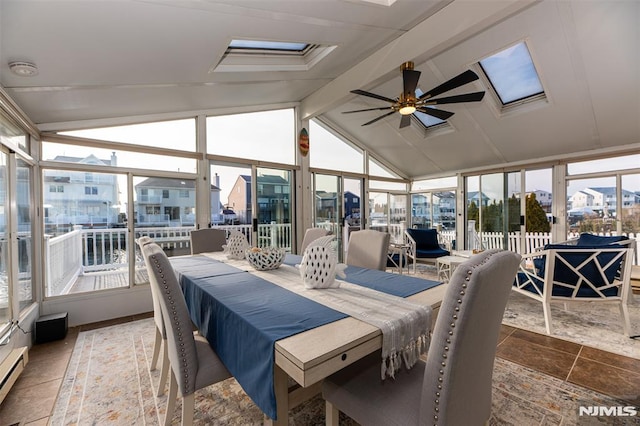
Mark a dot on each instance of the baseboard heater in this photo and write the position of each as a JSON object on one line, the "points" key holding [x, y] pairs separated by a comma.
{"points": [[11, 368]]}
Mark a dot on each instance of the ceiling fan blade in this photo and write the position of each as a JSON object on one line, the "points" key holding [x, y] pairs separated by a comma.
{"points": [[373, 95], [467, 97], [410, 82], [461, 79], [367, 109], [438, 113], [379, 118], [405, 121]]}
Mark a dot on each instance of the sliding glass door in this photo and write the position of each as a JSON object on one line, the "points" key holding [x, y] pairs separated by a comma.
{"points": [[5, 276]]}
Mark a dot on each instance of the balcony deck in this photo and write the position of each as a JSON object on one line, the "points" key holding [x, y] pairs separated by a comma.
{"points": [[106, 280]]}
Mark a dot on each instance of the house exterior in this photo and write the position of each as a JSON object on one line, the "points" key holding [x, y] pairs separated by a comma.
{"points": [[170, 202], [273, 198], [80, 198]]}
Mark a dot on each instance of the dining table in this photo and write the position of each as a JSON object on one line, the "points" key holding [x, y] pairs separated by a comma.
{"points": [[278, 344]]}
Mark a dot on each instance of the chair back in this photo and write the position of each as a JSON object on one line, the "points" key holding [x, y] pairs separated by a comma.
{"points": [[457, 381], [426, 239], [181, 345], [312, 234], [368, 249], [207, 240], [157, 312]]}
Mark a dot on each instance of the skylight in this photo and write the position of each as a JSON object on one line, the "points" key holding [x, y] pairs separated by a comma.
{"points": [[425, 119], [264, 56], [512, 74], [267, 45]]}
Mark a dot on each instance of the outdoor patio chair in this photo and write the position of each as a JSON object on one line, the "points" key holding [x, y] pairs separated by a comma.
{"points": [[424, 245], [578, 272], [453, 386]]}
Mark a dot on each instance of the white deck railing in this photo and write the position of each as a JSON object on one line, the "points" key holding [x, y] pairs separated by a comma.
{"points": [[97, 250]]}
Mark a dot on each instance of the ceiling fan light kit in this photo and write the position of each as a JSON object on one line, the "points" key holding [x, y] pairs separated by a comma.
{"points": [[408, 103]]}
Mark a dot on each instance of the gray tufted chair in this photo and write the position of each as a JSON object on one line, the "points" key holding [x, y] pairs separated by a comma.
{"points": [[207, 240], [310, 235], [453, 387], [160, 340], [194, 364], [368, 249]]}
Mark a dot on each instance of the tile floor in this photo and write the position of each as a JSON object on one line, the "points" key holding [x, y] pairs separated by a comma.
{"points": [[31, 400]]}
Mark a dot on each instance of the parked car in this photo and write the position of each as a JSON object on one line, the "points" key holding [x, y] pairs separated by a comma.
{"points": [[230, 217]]}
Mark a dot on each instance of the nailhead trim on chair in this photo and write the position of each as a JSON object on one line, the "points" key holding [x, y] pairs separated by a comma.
{"points": [[175, 320], [446, 348]]}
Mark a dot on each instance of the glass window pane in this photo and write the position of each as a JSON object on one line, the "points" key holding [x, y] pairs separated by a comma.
{"points": [[326, 151], [379, 211], [231, 202], [108, 157], [265, 135], [604, 165], [591, 205], [177, 134], [512, 74], [267, 45], [397, 217], [376, 169], [5, 300], [162, 213], [12, 135], [274, 208], [427, 184], [386, 185], [86, 237], [631, 205], [25, 240]]}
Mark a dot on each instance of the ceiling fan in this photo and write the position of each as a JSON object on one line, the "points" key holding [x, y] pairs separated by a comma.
{"points": [[408, 102]]}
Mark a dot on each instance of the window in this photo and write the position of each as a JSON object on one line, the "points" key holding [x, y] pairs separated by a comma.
{"points": [[162, 134], [90, 190], [335, 153], [426, 119], [262, 55], [165, 193], [264, 136], [184, 193], [512, 74], [268, 46], [56, 188]]}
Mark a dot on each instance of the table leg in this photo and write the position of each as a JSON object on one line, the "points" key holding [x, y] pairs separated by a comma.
{"points": [[280, 384]]}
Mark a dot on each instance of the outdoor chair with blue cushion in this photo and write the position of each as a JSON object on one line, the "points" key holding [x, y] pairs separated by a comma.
{"points": [[424, 246], [591, 270]]}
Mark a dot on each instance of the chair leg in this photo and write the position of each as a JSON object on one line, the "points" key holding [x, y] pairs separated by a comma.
{"points": [[626, 322], [332, 415], [546, 308], [188, 406], [156, 349], [164, 369], [171, 399]]}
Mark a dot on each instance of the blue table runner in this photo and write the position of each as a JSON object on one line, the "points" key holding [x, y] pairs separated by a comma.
{"points": [[234, 312], [385, 282]]}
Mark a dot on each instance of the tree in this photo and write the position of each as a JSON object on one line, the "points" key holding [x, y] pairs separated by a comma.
{"points": [[473, 213], [536, 218]]}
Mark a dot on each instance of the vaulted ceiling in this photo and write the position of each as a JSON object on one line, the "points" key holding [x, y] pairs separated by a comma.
{"points": [[101, 60]]}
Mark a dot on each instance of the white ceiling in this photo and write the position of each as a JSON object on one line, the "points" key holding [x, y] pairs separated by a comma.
{"points": [[109, 59]]}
